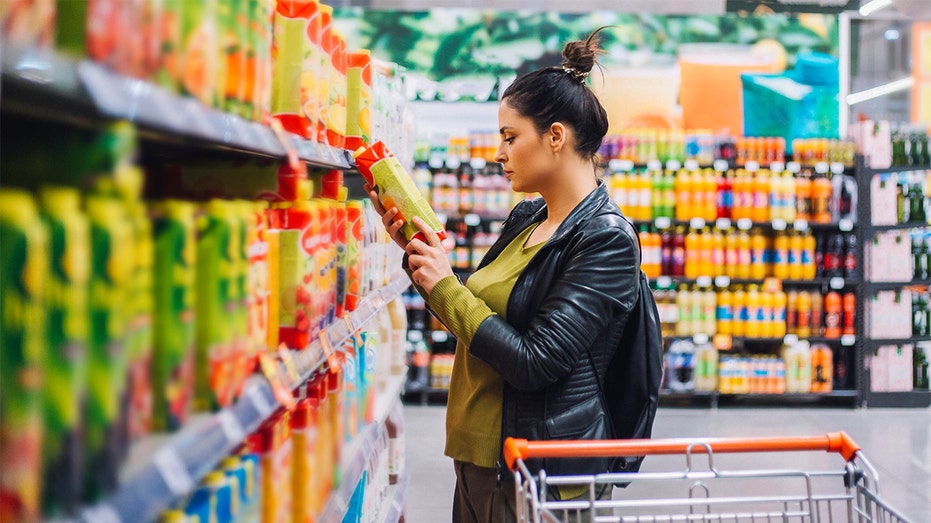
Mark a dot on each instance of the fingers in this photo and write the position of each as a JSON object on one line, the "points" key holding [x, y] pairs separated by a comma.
{"points": [[373, 195], [432, 239]]}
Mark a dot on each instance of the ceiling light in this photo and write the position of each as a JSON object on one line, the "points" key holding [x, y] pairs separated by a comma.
{"points": [[874, 5], [882, 90]]}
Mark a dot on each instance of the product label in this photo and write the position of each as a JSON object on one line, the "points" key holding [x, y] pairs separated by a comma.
{"points": [[396, 188]]}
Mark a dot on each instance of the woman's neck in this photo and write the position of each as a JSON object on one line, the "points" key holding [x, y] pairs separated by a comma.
{"points": [[568, 191]]}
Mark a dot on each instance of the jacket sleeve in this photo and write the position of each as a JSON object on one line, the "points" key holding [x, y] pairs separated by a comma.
{"points": [[599, 284]]}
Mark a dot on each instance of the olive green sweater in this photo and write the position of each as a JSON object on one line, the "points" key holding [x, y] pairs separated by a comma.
{"points": [[473, 414]]}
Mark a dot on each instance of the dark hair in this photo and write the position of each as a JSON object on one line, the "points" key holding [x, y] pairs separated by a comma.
{"points": [[559, 94]]}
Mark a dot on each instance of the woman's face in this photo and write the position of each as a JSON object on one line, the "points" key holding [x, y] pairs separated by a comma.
{"points": [[523, 152]]}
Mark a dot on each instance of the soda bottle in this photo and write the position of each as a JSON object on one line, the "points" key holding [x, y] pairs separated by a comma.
{"points": [[809, 269], [725, 312], [781, 256], [795, 256], [666, 252], [779, 314], [725, 196], [822, 367], [684, 305], [693, 246], [743, 255], [817, 312], [832, 315], [803, 314], [678, 252], [821, 198], [757, 255], [706, 253], [834, 256], [792, 312], [730, 253], [803, 198], [850, 311], [754, 319], [850, 256], [739, 327]]}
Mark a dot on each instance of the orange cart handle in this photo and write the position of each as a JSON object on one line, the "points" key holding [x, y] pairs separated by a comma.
{"points": [[516, 448]]}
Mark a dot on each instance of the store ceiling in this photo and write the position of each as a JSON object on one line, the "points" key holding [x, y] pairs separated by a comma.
{"points": [[628, 6]]}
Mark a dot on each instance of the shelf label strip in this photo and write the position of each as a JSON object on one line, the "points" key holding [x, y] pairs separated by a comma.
{"points": [[173, 472]]}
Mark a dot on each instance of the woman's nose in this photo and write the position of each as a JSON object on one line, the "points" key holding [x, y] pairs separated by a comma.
{"points": [[499, 156]]}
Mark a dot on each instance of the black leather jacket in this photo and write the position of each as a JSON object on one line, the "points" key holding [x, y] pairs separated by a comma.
{"points": [[565, 318]]}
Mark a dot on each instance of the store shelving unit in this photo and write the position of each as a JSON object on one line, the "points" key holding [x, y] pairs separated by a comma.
{"points": [[166, 467], [915, 398], [45, 88]]}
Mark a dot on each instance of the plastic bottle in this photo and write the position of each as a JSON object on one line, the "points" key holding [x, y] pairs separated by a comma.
{"points": [[706, 367], [754, 319], [692, 254], [849, 305], [767, 315], [817, 312], [822, 367], [809, 268], [821, 200], [684, 195], [303, 477], [678, 252], [781, 256], [741, 313], [731, 260], [803, 190], [792, 312], [725, 196], [851, 257], [709, 311], [796, 245], [706, 253], [724, 315], [744, 257], [757, 255], [833, 314], [684, 304], [396, 443], [743, 195], [761, 191], [803, 314], [680, 366], [395, 188], [718, 256], [797, 359], [779, 314]]}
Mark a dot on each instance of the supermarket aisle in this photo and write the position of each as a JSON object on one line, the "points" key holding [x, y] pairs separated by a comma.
{"points": [[896, 441]]}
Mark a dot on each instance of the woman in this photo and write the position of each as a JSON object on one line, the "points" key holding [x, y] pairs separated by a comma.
{"points": [[538, 322]]}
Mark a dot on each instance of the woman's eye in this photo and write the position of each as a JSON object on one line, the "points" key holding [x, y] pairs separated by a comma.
{"points": [[509, 140]]}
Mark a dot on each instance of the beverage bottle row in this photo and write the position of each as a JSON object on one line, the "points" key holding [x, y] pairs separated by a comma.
{"points": [[911, 197], [798, 369], [484, 192], [811, 151], [643, 145], [910, 147], [921, 254], [757, 195], [813, 313], [921, 313]]}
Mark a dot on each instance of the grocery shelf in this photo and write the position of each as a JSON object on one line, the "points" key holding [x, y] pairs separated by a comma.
{"points": [[894, 285], [906, 399], [166, 467], [725, 281], [392, 510], [49, 86], [897, 226], [875, 342], [896, 169], [715, 398], [746, 224]]}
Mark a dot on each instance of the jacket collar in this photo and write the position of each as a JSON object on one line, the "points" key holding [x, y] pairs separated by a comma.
{"points": [[583, 211]]}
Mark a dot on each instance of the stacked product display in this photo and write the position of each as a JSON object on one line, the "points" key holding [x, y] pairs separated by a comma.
{"points": [[199, 319]]}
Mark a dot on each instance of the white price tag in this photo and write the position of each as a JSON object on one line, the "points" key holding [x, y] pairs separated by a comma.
{"points": [[700, 339], [697, 223], [663, 282], [848, 339], [472, 219], [790, 339], [703, 281], [662, 222], [793, 167], [173, 471], [259, 401], [779, 224], [721, 165], [752, 166], [655, 165], [620, 166], [690, 165], [478, 163], [800, 225], [777, 167], [836, 283], [837, 168], [845, 224], [103, 513], [821, 167], [435, 161], [453, 162], [722, 281], [232, 429], [745, 224], [440, 336], [723, 223]]}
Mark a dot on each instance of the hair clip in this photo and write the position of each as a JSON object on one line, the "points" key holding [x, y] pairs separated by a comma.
{"points": [[575, 74]]}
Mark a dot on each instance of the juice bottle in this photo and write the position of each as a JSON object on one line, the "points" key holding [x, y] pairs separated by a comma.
{"points": [[706, 367], [817, 313], [809, 267], [354, 246], [23, 288], [743, 195], [274, 446], [803, 314], [725, 312], [730, 253], [781, 256], [718, 253], [198, 65], [709, 311], [790, 203], [761, 190], [105, 438], [684, 195], [619, 192], [767, 313], [395, 188], [258, 275], [850, 310], [822, 367], [303, 485], [757, 255], [706, 253], [803, 195], [798, 367], [290, 49], [173, 325], [684, 327], [795, 256], [741, 312], [833, 315], [725, 196], [396, 443], [744, 258], [678, 252], [710, 180], [792, 312], [66, 356], [656, 193], [754, 319], [821, 199], [779, 314], [693, 246], [359, 101], [668, 195]]}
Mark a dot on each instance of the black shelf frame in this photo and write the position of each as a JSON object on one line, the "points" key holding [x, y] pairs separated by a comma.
{"points": [[714, 399], [865, 344]]}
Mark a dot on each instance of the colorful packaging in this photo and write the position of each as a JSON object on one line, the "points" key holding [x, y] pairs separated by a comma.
{"points": [[261, 29], [243, 352], [215, 301], [359, 100], [289, 50], [168, 74], [28, 23], [65, 365], [342, 253], [336, 110], [274, 446], [198, 68], [111, 270], [173, 320], [24, 244], [395, 188], [70, 28], [306, 503], [109, 33], [242, 473], [213, 500], [258, 277], [354, 259], [327, 72], [234, 34], [310, 71]]}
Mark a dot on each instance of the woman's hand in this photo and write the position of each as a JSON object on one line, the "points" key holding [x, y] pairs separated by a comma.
{"points": [[388, 218], [427, 259]]}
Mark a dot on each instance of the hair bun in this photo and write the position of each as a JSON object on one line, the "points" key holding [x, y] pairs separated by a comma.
{"points": [[580, 57]]}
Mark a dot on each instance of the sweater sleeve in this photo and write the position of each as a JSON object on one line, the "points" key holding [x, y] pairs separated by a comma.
{"points": [[460, 310]]}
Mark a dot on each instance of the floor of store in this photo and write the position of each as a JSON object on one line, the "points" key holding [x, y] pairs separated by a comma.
{"points": [[896, 441]]}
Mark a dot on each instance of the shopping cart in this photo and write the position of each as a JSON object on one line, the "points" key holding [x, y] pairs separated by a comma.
{"points": [[756, 486]]}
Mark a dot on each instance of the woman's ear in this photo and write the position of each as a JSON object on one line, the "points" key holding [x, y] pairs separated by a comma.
{"points": [[557, 136]]}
